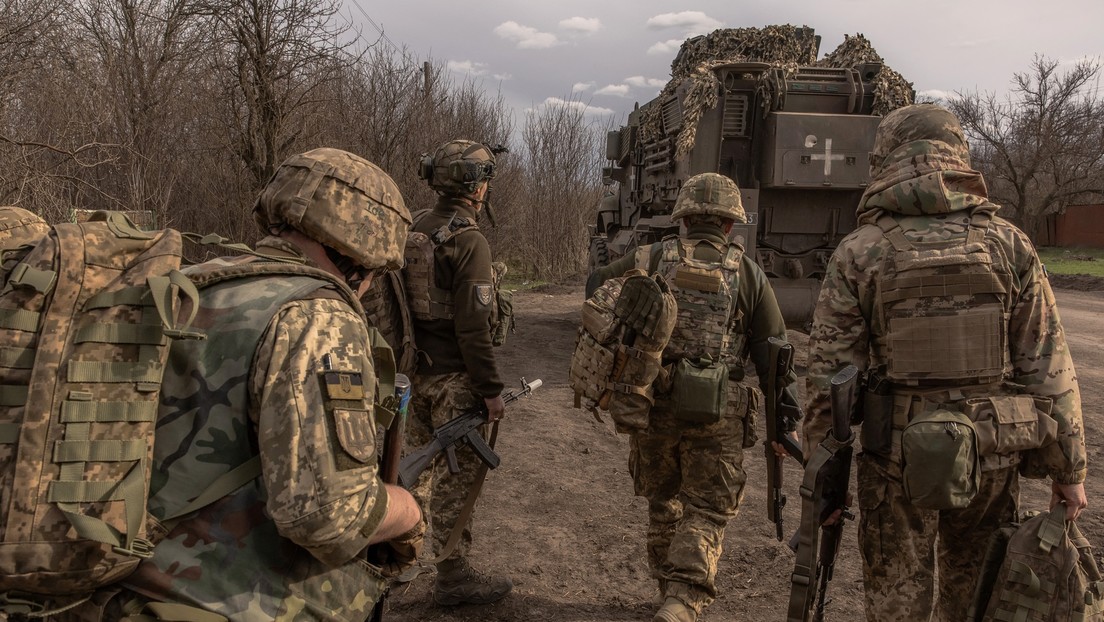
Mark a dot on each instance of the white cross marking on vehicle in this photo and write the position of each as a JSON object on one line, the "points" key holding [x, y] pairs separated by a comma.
{"points": [[827, 156]]}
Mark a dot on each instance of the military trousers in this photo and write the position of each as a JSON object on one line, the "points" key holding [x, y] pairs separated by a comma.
{"points": [[904, 547], [434, 401], [693, 478]]}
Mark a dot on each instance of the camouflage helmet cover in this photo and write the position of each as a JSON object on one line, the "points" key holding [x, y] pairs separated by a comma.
{"points": [[340, 200], [918, 122], [458, 167], [710, 194], [19, 227]]}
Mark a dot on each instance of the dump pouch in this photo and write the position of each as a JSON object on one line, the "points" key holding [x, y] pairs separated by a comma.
{"points": [[876, 434], [1007, 424], [699, 390], [940, 465]]}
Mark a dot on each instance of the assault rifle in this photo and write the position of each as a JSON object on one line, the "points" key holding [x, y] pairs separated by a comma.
{"points": [[824, 492], [782, 419], [463, 429]]}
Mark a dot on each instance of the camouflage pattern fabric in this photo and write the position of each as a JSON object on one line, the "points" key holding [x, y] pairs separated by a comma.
{"points": [[693, 478], [784, 46], [286, 547], [902, 545], [710, 194], [929, 190], [435, 400], [19, 231]]}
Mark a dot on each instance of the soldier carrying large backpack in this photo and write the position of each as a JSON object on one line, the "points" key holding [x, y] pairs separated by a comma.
{"points": [[200, 443], [687, 458]]}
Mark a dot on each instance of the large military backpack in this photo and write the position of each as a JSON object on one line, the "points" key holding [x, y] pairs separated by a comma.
{"points": [[86, 320], [626, 324], [1042, 570], [429, 302], [387, 311]]}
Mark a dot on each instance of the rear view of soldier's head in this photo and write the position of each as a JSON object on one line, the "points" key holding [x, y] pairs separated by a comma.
{"points": [[19, 227], [923, 128], [343, 202], [457, 167], [709, 198]]}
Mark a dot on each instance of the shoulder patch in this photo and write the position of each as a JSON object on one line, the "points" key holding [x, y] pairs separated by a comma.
{"points": [[483, 294], [343, 385]]}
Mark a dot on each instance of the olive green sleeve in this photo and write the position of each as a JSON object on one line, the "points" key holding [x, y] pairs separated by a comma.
{"points": [[609, 271], [762, 318], [473, 293]]}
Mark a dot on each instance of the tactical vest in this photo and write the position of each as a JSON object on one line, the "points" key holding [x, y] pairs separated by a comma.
{"points": [[945, 305], [429, 302], [202, 432], [706, 296]]}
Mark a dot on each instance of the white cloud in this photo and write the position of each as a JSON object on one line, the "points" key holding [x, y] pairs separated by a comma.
{"points": [[581, 86], [690, 21], [467, 66], [665, 48], [934, 95], [502, 76], [525, 37], [585, 25], [620, 90], [578, 105], [641, 81]]}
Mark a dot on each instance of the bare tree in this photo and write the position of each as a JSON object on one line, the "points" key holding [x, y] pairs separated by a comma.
{"points": [[1041, 148]]}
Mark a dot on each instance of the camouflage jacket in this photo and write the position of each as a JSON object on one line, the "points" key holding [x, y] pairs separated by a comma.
{"points": [[286, 546], [932, 194], [758, 316], [464, 267]]}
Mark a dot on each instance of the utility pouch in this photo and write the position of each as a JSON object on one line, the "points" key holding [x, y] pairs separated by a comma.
{"points": [[876, 434], [940, 464], [700, 390], [1010, 423]]}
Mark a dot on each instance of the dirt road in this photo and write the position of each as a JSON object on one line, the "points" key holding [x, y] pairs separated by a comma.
{"points": [[559, 517]]}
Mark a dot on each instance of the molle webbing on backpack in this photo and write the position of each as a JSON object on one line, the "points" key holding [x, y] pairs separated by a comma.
{"points": [[705, 293], [94, 304], [945, 307], [427, 301]]}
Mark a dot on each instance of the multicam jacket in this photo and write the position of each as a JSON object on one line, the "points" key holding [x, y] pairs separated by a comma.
{"points": [[933, 194], [283, 373]]}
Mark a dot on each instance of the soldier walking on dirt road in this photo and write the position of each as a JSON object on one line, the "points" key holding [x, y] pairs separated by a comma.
{"points": [[947, 309], [688, 462]]}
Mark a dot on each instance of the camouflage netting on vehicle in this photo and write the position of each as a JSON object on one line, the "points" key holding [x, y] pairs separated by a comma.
{"points": [[786, 46]]}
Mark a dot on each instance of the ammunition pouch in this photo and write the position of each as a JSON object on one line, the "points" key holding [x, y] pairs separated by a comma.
{"points": [[941, 468], [876, 434], [699, 390], [1008, 425]]}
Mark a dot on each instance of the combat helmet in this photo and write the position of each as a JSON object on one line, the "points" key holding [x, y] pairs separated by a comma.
{"points": [[917, 122], [19, 227], [457, 167], [710, 194], [340, 200]]}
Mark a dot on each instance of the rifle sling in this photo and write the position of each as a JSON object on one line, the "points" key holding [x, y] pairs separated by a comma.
{"points": [[803, 579], [469, 506]]}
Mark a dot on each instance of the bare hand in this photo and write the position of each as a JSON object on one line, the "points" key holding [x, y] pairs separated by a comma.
{"points": [[496, 408], [836, 516], [780, 450], [1073, 495]]}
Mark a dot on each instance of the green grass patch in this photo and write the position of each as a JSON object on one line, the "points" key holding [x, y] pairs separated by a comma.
{"points": [[1073, 260], [516, 281]]}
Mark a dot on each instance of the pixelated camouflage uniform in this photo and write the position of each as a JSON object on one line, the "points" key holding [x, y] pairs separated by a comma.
{"points": [[928, 188], [456, 366], [20, 230], [692, 474], [287, 546]]}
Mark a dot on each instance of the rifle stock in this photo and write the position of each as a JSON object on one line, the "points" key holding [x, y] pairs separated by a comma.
{"points": [[781, 420], [823, 493]]}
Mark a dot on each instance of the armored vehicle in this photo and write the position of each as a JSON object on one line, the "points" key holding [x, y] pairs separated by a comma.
{"points": [[796, 140]]}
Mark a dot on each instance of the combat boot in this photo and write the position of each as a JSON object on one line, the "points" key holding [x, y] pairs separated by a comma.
{"points": [[674, 610], [459, 584]]}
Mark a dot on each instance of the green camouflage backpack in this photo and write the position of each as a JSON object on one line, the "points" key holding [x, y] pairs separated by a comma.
{"points": [[1042, 570], [86, 320], [626, 324]]}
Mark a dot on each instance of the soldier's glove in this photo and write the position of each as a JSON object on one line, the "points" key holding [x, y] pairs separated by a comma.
{"points": [[640, 303], [402, 552]]}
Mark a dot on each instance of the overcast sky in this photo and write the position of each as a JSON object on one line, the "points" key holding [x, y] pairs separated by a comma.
{"points": [[609, 54]]}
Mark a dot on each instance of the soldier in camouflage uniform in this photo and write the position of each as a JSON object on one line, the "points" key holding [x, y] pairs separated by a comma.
{"points": [[960, 333], [20, 230], [692, 473], [456, 362], [285, 372]]}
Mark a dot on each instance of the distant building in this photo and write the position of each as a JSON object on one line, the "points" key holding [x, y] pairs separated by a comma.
{"points": [[1079, 225]]}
